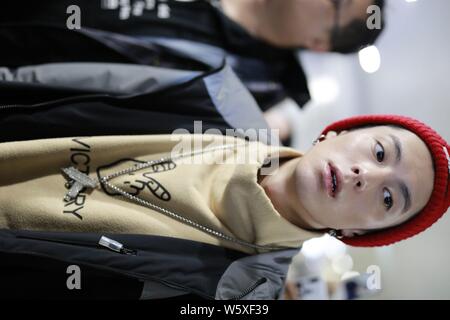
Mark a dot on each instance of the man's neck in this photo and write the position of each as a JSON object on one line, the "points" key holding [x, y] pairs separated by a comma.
{"points": [[254, 16], [279, 188], [263, 19]]}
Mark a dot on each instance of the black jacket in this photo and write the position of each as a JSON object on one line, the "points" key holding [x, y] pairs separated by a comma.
{"points": [[195, 27]]}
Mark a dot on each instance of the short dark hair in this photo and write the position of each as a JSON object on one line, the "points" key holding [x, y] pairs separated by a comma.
{"points": [[356, 35]]}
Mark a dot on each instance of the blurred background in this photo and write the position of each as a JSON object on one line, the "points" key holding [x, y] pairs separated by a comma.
{"points": [[406, 73]]}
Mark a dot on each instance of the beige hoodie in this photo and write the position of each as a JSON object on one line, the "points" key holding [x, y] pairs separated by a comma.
{"points": [[217, 189]]}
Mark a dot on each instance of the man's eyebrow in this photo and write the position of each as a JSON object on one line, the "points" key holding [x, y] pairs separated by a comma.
{"points": [[397, 146], [406, 196], [403, 187]]}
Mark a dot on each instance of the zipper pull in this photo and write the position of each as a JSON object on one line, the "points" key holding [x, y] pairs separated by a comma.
{"points": [[115, 246]]}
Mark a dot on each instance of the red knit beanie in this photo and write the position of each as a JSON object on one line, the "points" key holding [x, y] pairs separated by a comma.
{"points": [[439, 201]]}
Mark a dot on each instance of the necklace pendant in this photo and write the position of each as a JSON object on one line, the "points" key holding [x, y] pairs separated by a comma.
{"points": [[79, 181]]}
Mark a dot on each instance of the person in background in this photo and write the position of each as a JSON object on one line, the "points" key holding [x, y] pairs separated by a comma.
{"points": [[259, 39]]}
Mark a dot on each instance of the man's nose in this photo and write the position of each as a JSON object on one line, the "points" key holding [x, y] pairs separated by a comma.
{"points": [[365, 177], [358, 177]]}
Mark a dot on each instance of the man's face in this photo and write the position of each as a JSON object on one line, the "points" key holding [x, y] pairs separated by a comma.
{"points": [[309, 23], [364, 179]]}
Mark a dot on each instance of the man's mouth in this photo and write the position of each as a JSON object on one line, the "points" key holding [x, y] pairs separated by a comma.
{"points": [[332, 180]]}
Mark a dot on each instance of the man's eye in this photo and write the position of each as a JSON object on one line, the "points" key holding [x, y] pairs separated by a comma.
{"points": [[387, 199], [379, 152]]}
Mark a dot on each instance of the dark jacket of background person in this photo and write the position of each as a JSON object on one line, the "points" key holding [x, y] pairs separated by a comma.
{"points": [[197, 28]]}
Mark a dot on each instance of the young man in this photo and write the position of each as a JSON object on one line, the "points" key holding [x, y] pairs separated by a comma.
{"points": [[358, 182]]}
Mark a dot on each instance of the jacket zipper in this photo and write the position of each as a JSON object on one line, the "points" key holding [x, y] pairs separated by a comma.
{"points": [[104, 242], [11, 106], [249, 289], [115, 246], [55, 102]]}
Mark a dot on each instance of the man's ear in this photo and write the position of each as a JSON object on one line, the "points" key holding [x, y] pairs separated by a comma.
{"points": [[333, 134], [330, 134], [348, 233]]}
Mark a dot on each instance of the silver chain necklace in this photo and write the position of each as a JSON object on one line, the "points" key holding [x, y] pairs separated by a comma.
{"points": [[80, 181]]}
